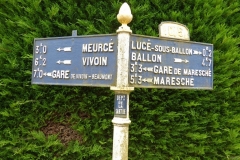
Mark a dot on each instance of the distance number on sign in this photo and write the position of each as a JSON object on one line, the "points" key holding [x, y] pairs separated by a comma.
{"points": [[135, 79], [135, 68], [207, 61], [40, 60]]}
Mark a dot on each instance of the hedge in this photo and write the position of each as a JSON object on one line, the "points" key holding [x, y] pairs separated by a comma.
{"points": [[60, 122]]}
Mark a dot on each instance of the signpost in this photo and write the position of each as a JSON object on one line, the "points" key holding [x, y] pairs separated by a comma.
{"points": [[123, 61]]}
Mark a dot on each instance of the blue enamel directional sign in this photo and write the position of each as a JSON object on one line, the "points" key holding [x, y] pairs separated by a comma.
{"points": [[92, 61], [164, 63], [75, 60]]}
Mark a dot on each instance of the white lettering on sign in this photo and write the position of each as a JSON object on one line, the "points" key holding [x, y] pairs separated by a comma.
{"points": [[97, 47], [120, 111], [146, 57], [121, 97], [120, 104], [173, 81], [178, 50], [79, 76], [163, 49], [146, 46], [102, 76], [61, 74], [94, 61], [163, 69], [195, 72], [92, 76], [141, 46], [177, 71]]}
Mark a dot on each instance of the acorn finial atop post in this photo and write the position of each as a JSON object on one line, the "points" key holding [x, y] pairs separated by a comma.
{"points": [[124, 17]]}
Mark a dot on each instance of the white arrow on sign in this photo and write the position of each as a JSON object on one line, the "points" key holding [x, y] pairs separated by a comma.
{"points": [[197, 52], [150, 69], [47, 74], [149, 80], [178, 60], [64, 62], [65, 49]]}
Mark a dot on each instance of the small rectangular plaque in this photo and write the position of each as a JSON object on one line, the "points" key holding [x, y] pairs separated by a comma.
{"points": [[120, 105]]}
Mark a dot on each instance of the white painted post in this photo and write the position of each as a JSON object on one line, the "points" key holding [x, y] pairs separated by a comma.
{"points": [[121, 123], [121, 130]]}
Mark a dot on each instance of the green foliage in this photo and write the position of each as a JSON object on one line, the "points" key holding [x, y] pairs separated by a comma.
{"points": [[166, 124]]}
